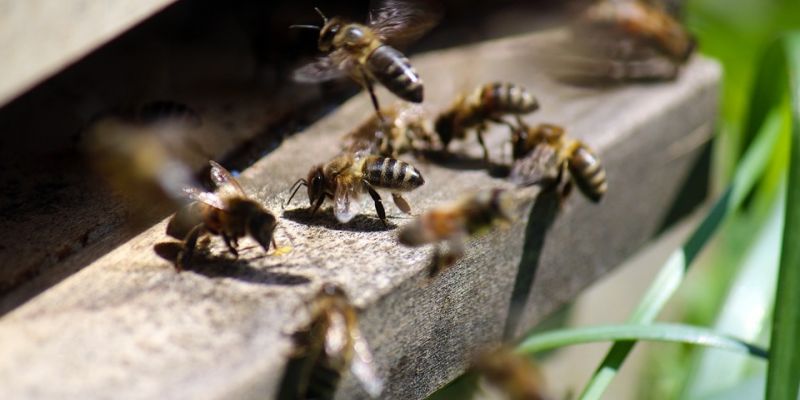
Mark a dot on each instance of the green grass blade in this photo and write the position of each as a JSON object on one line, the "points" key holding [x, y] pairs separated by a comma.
{"points": [[660, 332], [672, 273], [783, 371]]}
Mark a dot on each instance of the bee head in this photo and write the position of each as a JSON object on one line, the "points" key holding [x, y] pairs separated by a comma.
{"points": [[444, 127], [316, 187], [261, 226], [328, 33]]}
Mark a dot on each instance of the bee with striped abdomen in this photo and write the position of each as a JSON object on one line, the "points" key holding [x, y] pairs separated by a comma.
{"points": [[365, 52], [406, 130], [488, 103], [228, 212], [346, 177], [452, 224], [326, 348], [543, 154]]}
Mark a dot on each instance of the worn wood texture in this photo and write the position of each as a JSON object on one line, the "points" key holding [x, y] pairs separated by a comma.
{"points": [[128, 326], [40, 37]]}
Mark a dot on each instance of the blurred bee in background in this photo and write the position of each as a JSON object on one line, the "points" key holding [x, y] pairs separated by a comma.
{"points": [[624, 40], [365, 52], [487, 103], [326, 348], [228, 212], [452, 224], [130, 148], [346, 177], [506, 375], [543, 154], [407, 130]]}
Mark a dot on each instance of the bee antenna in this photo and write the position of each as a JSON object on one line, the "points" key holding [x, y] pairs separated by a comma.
{"points": [[314, 27], [324, 18], [295, 187]]}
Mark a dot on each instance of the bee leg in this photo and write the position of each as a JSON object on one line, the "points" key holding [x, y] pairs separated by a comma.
{"points": [[373, 97], [378, 204], [483, 145], [401, 203], [436, 263], [231, 243], [189, 244], [274, 243]]}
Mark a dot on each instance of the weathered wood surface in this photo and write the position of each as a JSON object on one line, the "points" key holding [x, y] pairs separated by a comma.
{"points": [[40, 37], [128, 326]]}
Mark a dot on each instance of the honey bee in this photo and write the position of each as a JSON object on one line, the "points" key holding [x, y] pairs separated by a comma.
{"points": [[407, 130], [364, 52], [544, 153], [488, 103], [131, 151], [346, 177], [227, 212], [470, 216], [507, 375], [326, 348], [626, 40]]}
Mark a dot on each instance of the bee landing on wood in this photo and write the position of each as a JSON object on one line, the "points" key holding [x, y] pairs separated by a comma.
{"points": [[407, 130], [623, 40], [488, 103], [331, 344], [452, 224], [228, 212], [346, 177], [543, 154], [365, 52]]}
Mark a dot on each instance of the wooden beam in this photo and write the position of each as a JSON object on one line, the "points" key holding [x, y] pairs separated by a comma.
{"points": [[128, 326]]}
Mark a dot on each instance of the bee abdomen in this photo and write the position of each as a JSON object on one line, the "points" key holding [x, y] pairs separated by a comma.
{"points": [[508, 98], [390, 173], [393, 70], [323, 382], [588, 173]]}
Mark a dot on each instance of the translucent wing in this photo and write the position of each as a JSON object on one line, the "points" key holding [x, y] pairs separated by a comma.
{"points": [[362, 366], [540, 166], [346, 202], [227, 185], [332, 66], [205, 197], [400, 22]]}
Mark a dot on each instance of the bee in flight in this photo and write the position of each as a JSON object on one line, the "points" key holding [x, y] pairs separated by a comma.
{"points": [[407, 130], [487, 103], [346, 177], [543, 154], [227, 212], [134, 149], [507, 375], [625, 40], [452, 224], [326, 348], [365, 52]]}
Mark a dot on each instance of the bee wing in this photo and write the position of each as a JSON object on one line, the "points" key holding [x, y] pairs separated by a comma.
{"points": [[540, 166], [400, 22], [346, 202], [205, 197], [362, 366], [227, 185], [332, 66]]}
